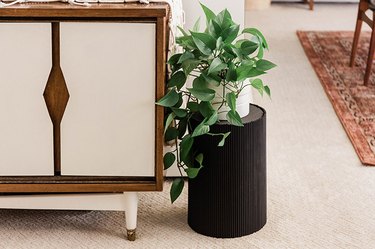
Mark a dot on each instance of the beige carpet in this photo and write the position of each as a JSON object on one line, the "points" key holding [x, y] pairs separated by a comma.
{"points": [[319, 195]]}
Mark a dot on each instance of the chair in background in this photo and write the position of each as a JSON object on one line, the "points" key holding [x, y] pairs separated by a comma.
{"points": [[364, 5], [311, 4]]}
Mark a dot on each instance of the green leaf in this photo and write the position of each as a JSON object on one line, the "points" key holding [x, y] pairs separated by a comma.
{"points": [[201, 129], [231, 100], [198, 54], [214, 29], [186, 42], [243, 70], [264, 65], [211, 29], [174, 59], [258, 84], [170, 134], [175, 68], [231, 50], [193, 106], [188, 160], [181, 113], [207, 40], [169, 120], [189, 65], [182, 31], [212, 79], [202, 47], [239, 42], [178, 80], [182, 125], [206, 109], [253, 72], [231, 74], [180, 101], [234, 118], [176, 189], [237, 52], [267, 90], [169, 100], [258, 34], [200, 83], [212, 119], [210, 15], [260, 52], [248, 47], [224, 19], [203, 94], [217, 28], [169, 159], [230, 33], [185, 146], [216, 66], [249, 63], [222, 141], [186, 55], [192, 172], [219, 43], [199, 158], [197, 25]]}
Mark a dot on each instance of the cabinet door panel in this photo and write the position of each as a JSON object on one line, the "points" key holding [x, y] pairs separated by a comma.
{"points": [[108, 128], [26, 142]]}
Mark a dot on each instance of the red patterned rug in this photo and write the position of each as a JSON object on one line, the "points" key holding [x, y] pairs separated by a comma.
{"points": [[329, 54]]}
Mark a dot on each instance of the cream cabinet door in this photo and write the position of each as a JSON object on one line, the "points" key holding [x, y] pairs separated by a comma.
{"points": [[26, 137], [108, 128]]}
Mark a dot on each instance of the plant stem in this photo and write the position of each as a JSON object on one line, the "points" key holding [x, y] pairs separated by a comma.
{"points": [[222, 103], [178, 156]]}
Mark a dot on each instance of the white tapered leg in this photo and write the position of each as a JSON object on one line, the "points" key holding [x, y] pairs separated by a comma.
{"points": [[131, 209]]}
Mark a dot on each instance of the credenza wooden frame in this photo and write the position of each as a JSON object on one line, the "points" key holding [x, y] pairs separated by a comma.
{"points": [[55, 13]]}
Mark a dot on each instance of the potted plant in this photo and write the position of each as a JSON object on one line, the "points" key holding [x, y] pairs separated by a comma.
{"points": [[209, 87]]}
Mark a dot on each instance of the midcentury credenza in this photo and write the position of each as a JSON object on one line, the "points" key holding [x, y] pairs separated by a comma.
{"points": [[79, 127]]}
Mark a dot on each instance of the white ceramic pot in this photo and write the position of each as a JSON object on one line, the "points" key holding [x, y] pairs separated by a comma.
{"points": [[242, 103]]}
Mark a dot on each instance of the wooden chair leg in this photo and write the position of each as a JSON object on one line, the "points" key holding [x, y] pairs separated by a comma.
{"points": [[311, 4], [355, 41], [356, 36], [370, 54]]}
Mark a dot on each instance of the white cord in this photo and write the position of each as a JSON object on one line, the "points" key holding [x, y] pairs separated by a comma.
{"points": [[73, 2], [2, 4]]}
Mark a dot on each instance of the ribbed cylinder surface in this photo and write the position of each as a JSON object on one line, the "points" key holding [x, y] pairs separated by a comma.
{"points": [[228, 198]]}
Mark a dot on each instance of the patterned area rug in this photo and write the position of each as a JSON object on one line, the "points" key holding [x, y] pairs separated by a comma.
{"points": [[329, 54]]}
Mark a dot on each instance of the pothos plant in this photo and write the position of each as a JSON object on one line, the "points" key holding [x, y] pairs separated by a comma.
{"points": [[217, 58]]}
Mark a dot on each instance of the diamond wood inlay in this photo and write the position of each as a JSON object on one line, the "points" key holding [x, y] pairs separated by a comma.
{"points": [[56, 95]]}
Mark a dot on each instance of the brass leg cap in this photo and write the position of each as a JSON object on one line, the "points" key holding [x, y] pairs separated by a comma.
{"points": [[131, 234]]}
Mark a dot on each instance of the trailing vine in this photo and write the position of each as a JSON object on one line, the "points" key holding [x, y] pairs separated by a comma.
{"points": [[220, 62]]}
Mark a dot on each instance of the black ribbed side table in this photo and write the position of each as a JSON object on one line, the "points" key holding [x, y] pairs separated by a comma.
{"points": [[228, 198]]}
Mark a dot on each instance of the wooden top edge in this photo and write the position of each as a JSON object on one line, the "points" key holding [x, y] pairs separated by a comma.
{"points": [[100, 10]]}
